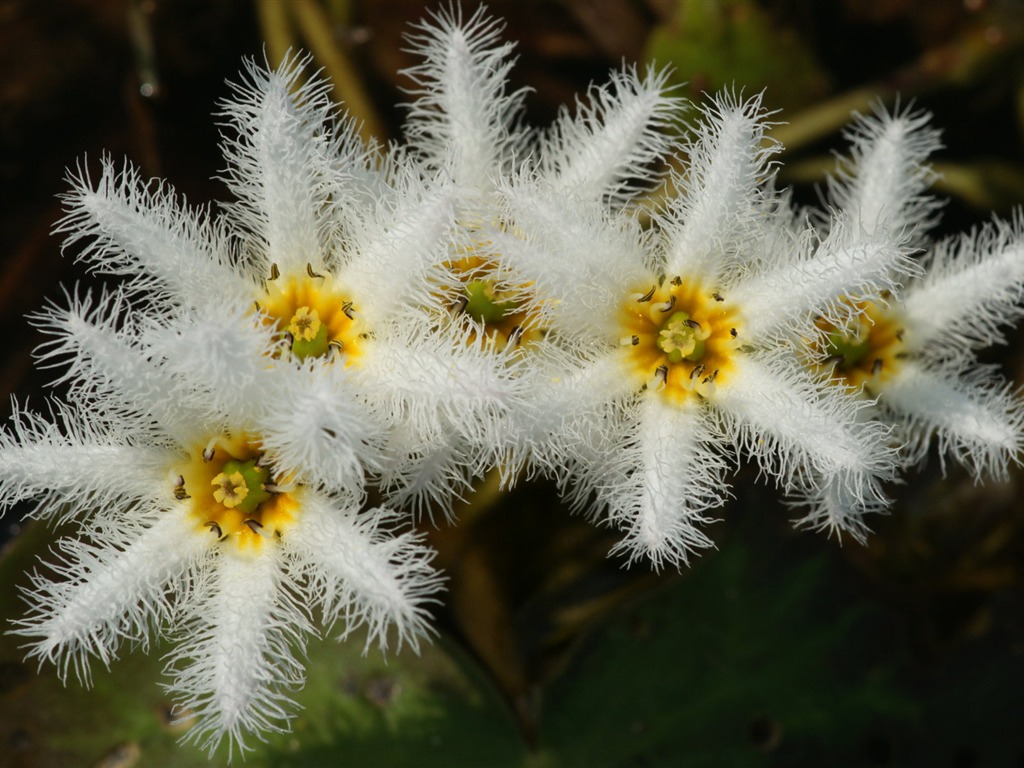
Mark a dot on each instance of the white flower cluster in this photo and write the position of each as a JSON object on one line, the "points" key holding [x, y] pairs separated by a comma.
{"points": [[397, 321]]}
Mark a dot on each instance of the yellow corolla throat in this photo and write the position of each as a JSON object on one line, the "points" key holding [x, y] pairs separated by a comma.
{"points": [[679, 337], [494, 306], [233, 494], [867, 352], [314, 316]]}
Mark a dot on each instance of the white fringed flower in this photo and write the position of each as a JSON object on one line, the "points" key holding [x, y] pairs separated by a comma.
{"points": [[310, 295], [917, 358], [683, 336], [189, 525], [465, 124]]}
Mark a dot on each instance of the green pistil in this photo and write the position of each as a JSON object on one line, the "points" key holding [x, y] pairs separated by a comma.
{"points": [[482, 306], [255, 477], [679, 341], [851, 349], [314, 347]]}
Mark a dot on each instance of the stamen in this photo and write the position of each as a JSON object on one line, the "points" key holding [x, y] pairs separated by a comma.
{"points": [[208, 452], [213, 526], [876, 367], [717, 296], [629, 341], [310, 272], [647, 296], [255, 526], [667, 306], [698, 371], [274, 271], [676, 281], [347, 309]]}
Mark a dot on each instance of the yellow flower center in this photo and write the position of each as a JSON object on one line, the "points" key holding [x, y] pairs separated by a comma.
{"points": [[679, 338], [233, 494], [496, 308], [313, 315], [866, 353]]}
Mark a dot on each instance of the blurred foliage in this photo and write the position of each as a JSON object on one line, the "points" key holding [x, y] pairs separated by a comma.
{"points": [[777, 649], [736, 45]]}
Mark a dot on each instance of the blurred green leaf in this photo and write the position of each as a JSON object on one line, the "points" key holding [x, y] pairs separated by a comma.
{"points": [[749, 660], [733, 43]]}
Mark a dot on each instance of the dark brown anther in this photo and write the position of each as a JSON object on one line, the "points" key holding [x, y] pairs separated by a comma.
{"points": [[647, 296], [732, 332], [902, 355], [899, 334], [676, 281], [662, 373], [258, 307], [711, 379], [833, 359], [208, 453], [690, 323], [310, 272], [274, 271], [181, 494], [669, 304], [254, 525], [717, 296], [876, 367], [289, 339], [347, 308], [697, 371], [515, 335], [213, 526], [337, 344], [635, 341], [271, 488]]}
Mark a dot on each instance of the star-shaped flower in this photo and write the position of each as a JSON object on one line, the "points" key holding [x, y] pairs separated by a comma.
{"points": [[917, 358], [318, 273], [189, 525], [684, 334]]}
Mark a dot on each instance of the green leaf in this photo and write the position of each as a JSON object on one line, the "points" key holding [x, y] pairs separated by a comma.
{"points": [[734, 44], [748, 659]]}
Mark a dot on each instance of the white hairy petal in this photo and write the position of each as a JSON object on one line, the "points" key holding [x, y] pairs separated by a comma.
{"points": [[707, 225], [660, 485], [363, 573], [790, 423], [616, 135], [126, 227], [243, 632], [972, 288], [974, 417], [114, 589]]}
